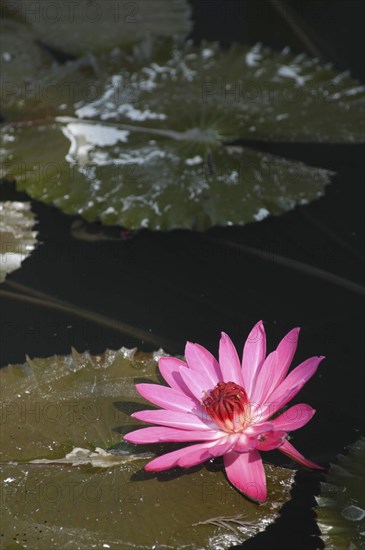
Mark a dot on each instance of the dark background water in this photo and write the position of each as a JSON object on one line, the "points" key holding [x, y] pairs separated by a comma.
{"points": [[181, 285]]}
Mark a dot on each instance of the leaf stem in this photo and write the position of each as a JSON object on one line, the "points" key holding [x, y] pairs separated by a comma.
{"points": [[297, 26], [336, 238], [193, 134], [294, 264], [42, 299]]}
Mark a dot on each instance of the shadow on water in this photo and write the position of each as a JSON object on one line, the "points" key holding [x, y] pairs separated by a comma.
{"points": [[297, 521]]}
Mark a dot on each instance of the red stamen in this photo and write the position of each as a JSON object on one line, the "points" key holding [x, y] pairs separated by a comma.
{"points": [[227, 404]]}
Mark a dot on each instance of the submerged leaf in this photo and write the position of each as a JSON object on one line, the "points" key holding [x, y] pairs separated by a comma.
{"points": [[341, 512], [17, 238], [69, 481]]}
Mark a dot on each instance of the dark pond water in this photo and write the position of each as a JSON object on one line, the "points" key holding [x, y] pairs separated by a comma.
{"points": [[182, 285]]}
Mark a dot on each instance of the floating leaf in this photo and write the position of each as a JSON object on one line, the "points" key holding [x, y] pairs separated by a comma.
{"points": [[83, 27], [34, 84], [124, 177], [154, 154], [69, 481], [341, 512], [17, 239], [22, 61], [98, 458], [251, 93]]}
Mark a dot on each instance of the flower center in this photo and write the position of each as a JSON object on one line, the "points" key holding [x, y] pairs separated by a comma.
{"points": [[227, 404]]}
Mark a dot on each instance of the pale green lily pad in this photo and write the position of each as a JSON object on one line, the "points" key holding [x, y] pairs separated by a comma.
{"points": [[68, 479], [22, 60], [33, 83], [17, 238], [341, 512], [81, 27], [135, 179]]}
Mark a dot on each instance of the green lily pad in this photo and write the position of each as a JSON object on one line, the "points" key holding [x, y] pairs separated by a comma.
{"points": [[341, 512], [68, 479], [151, 151], [125, 177], [17, 238], [252, 93], [81, 27]]}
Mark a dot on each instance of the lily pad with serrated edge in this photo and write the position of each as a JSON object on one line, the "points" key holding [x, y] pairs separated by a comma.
{"points": [[137, 180], [68, 480], [150, 151], [341, 505], [253, 93], [17, 238]]}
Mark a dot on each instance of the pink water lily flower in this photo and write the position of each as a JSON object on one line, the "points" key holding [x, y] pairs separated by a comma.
{"points": [[228, 406]]}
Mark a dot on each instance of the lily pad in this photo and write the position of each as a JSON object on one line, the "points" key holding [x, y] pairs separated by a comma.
{"points": [[124, 177], [341, 512], [17, 238], [22, 61], [33, 83], [68, 480], [253, 93], [151, 150], [83, 27]]}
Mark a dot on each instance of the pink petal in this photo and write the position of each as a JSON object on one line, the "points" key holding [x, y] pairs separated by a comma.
{"points": [[201, 360], [198, 385], [292, 384], [263, 382], [286, 351], [246, 472], [258, 429], [245, 443], [300, 375], [295, 417], [170, 460], [194, 456], [288, 449], [271, 406], [229, 361], [272, 440], [157, 434], [169, 368], [181, 420], [166, 397], [254, 353]]}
